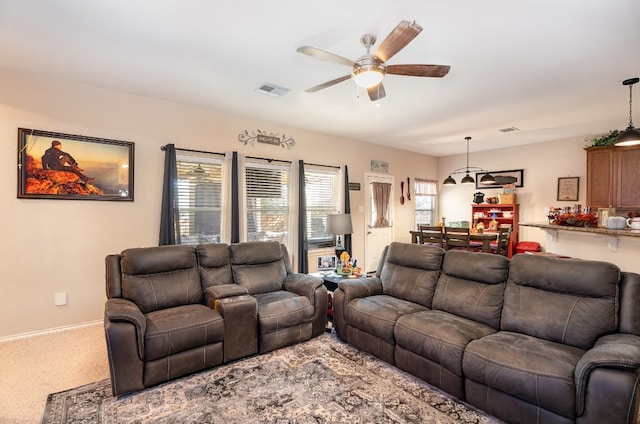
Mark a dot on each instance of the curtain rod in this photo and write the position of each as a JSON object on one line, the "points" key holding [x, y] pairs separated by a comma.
{"points": [[193, 151], [248, 157]]}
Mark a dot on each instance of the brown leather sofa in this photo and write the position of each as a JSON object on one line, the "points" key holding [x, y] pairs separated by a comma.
{"points": [[175, 310], [530, 340]]}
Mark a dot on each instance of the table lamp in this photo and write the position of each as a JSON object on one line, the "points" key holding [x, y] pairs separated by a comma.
{"points": [[338, 224]]}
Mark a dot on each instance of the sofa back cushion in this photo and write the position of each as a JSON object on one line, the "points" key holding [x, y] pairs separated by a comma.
{"points": [[215, 264], [410, 272], [160, 277], [258, 266], [569, 301], [471, 285]]}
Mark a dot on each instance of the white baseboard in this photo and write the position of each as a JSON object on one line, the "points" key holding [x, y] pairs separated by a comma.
{"points": [[50, 331]]}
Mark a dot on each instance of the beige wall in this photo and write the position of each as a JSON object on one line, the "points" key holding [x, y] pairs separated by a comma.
{"points": [[52, 246]]}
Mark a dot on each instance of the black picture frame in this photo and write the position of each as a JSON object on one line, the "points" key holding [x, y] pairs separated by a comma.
{"points": [[54, 165], [568, 189], [512, 176]]}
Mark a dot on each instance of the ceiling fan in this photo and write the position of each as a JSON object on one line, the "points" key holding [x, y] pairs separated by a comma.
{"points": [[369, 70]]}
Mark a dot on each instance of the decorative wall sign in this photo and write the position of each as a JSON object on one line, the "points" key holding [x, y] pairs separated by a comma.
{"points": [[266, 138], [65, 166], [568, 188], [354, 186], [379, 166]]}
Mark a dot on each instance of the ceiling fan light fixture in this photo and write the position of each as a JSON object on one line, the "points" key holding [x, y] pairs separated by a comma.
{"points": [[368, 76], [630, 136]]}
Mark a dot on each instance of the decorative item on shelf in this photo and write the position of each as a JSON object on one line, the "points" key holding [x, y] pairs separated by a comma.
{"points": [[630, 136], [615, 223], [478, 197], [576, 219], [508, 196], [487, 178], [492, 200], [633, 220], [493, 224], [553, 213], [338, 224]]}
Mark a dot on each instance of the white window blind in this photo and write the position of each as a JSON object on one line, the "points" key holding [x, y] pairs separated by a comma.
{"points": [[321, 191], [199, 199], [426, 195], [267, 208]]}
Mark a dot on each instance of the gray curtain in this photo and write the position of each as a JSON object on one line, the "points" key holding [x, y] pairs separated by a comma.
{"points": [[169, 224], [303, 249], [381, 195], [347, 209], [235, 200]]}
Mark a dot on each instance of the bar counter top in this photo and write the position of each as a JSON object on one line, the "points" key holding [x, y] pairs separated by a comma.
{"points": [[627, 232]]}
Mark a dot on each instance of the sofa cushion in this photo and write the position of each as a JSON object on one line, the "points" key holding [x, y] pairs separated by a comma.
{"points": [[537, 371], [215, 264], [378, 314], [178, 329], [568, 301], [160, 277], [411, 271], [439, 336], [258, 266], [281, 309], [472, 286]]}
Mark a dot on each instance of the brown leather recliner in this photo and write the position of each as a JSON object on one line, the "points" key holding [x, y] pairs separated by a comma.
{"points": [[157, 326]]}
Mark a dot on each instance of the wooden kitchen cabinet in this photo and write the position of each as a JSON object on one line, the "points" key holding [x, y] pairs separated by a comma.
{"points": [[613, 177]]}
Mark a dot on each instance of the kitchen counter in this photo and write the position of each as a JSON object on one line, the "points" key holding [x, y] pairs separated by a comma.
{"points": [[609, 235]]}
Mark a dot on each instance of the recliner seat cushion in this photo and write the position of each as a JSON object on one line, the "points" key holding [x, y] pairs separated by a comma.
{"points": [[537, 371], [439, 336], [281, 309], [377, 315], [174, 330]]}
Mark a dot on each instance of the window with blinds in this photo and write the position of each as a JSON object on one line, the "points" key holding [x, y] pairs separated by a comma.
{"points": [[321, 191], [199, 199], [267, 208], [426, 195]]}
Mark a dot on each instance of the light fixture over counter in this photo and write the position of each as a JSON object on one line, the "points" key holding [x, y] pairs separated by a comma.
{"points": [[487, 178], [630, 136]]}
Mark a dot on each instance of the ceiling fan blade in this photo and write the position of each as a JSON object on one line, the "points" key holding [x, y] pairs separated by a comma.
{"points": [[397, 39], [324, 55], [376, 92], [327, 84], [419, 70]]}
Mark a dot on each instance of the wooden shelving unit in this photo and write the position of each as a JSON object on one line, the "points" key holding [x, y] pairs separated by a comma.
{"points": [[483, 212]]}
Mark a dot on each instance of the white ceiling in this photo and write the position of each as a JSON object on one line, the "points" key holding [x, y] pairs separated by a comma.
{"points": [[553, 69]]}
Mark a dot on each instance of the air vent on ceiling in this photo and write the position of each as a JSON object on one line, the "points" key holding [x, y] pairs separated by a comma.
{"points": [[272, 90], [505, 130]]}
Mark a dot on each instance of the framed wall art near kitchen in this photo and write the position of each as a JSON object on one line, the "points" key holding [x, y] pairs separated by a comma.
{"points": [[513, 176], [568, 188], [66, 166]]}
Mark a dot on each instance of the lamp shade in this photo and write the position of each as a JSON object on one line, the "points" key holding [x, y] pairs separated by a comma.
{"points": [[487, 179], [628, 137], [339, 223], [467, 179]]}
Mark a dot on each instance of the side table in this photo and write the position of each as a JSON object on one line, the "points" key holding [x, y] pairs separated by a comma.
{"points": [[330, 281]]}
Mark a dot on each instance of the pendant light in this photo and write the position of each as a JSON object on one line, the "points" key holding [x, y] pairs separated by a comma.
{"points": [[487, 178], [630, 136]]}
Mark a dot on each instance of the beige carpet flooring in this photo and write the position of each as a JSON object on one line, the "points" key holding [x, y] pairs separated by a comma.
{"points": [[33, 367]]}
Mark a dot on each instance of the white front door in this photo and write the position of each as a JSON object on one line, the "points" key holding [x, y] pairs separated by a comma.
{"points": [[376, 237]]}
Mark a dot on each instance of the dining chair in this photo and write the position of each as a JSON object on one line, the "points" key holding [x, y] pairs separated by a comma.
{"points": [[501, 246], [457, 238], [431, 235]]}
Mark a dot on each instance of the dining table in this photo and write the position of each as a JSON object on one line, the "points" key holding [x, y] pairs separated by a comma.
{"points": [[485, 238]]}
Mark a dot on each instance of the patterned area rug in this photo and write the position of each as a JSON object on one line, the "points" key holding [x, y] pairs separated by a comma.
{"points": [[320, 381]]}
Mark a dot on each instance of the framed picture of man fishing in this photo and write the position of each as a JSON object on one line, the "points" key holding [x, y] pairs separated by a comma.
{"points": [[74, 167]]}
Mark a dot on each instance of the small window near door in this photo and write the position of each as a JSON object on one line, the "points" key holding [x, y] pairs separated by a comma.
{"points": [[426, 195]]}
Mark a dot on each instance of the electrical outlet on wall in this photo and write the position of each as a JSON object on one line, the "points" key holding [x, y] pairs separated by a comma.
{"points": [[60, 299]]}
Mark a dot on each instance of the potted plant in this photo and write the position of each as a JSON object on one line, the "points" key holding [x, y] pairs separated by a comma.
{"points": [[605, 139]]}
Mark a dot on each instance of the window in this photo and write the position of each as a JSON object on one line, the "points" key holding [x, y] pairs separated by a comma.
{"points": [[426, 195], [199, 199], [322, 191], [267, 208]]}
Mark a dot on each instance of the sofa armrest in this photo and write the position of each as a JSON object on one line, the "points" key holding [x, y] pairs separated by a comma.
{"points": [[617, 351], [360, 287], [302, 285], [122, 310], [222, 291]]}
